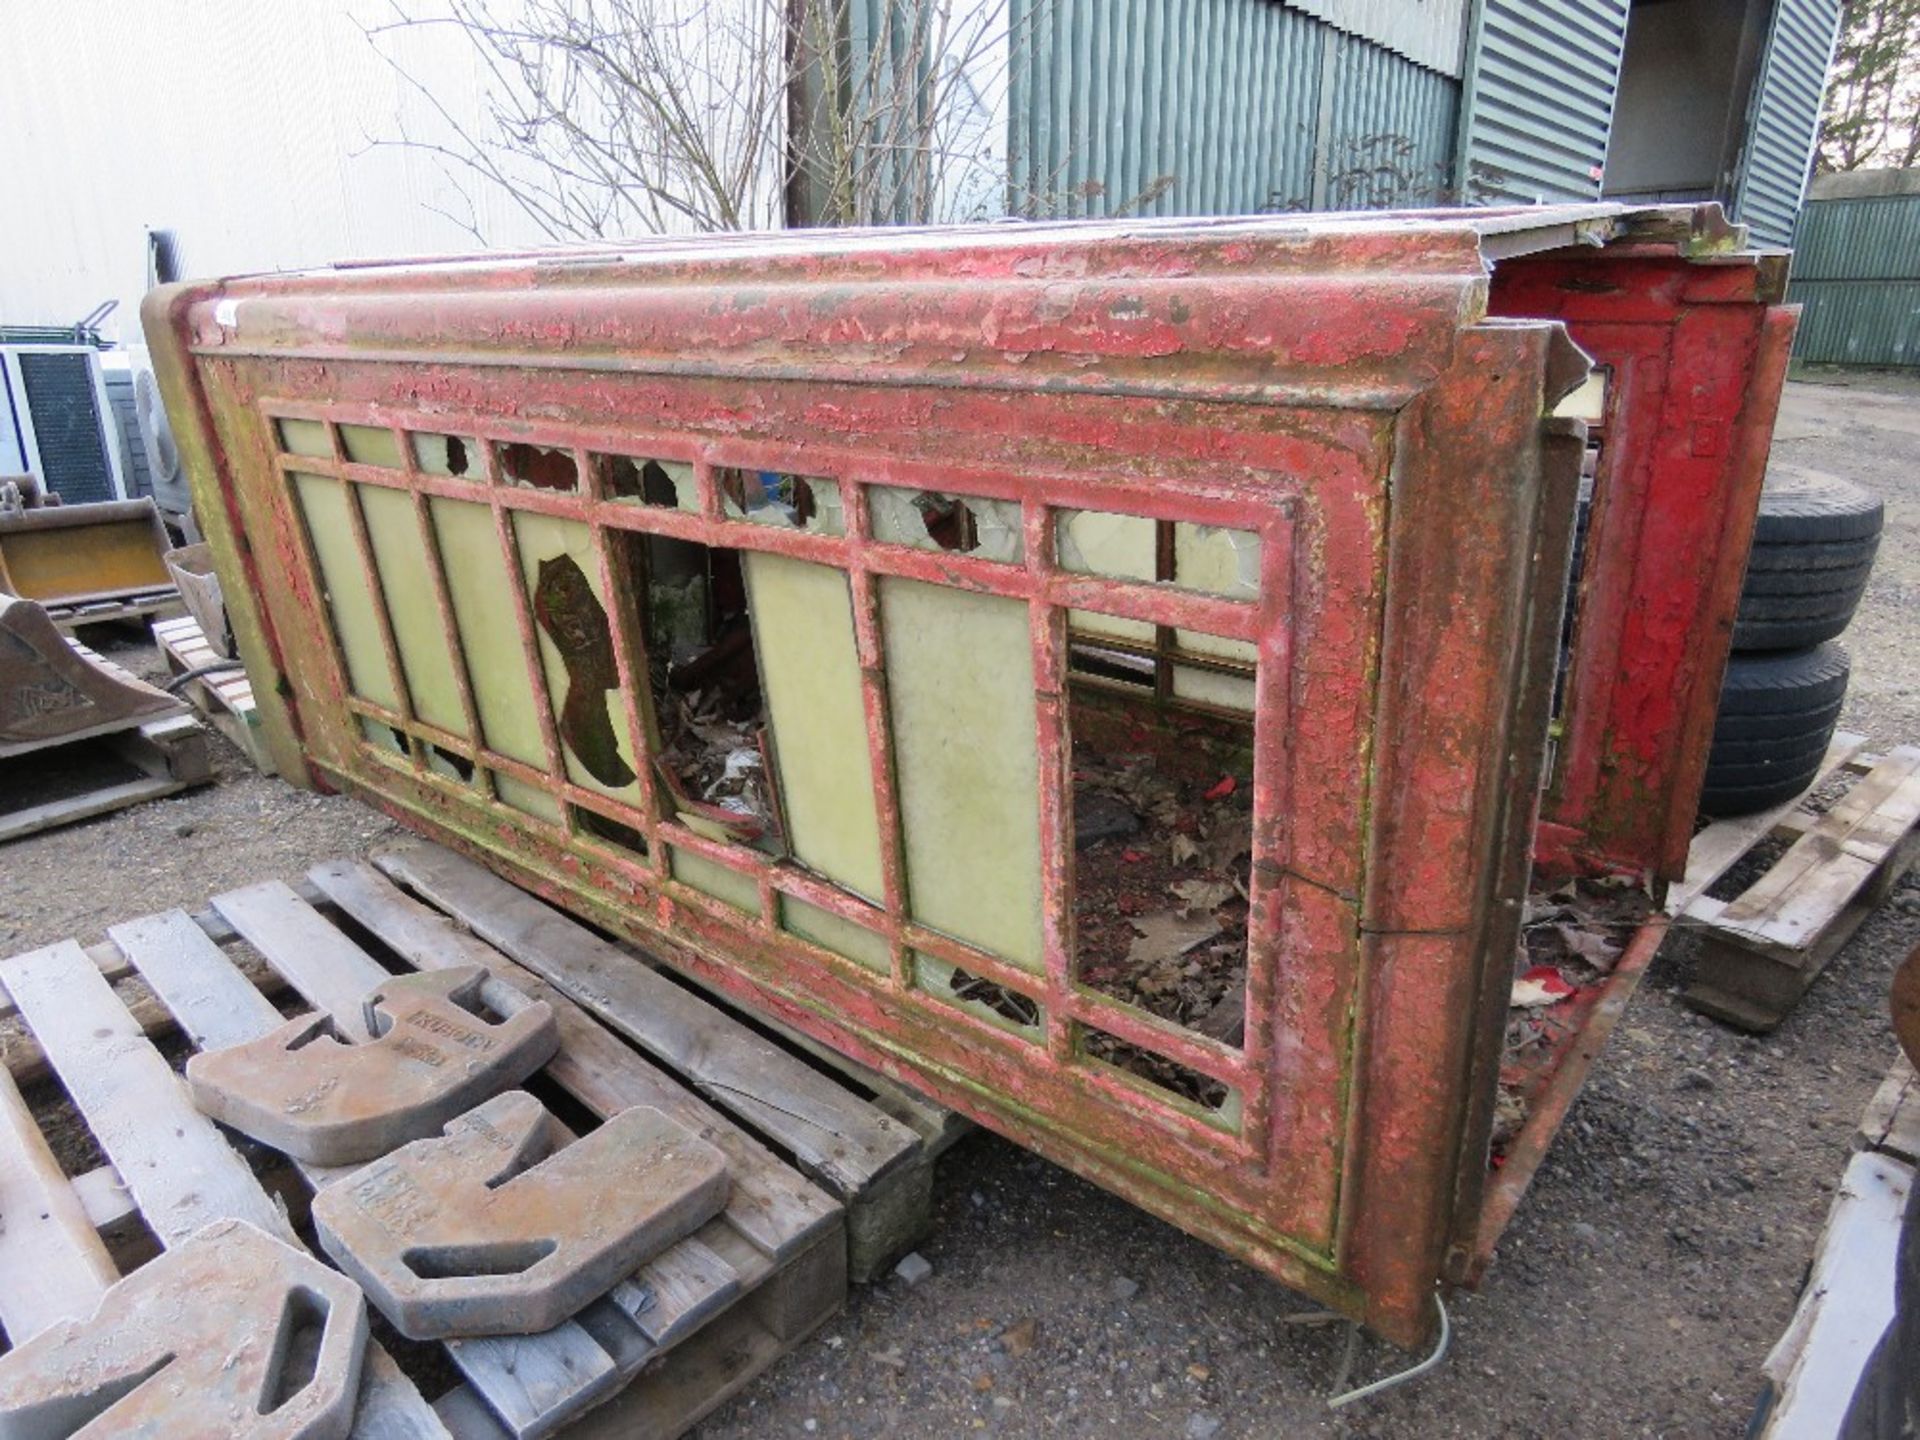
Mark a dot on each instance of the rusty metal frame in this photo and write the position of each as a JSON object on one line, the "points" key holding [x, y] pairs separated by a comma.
{"points": [[1696, 340], [1325, 384]]}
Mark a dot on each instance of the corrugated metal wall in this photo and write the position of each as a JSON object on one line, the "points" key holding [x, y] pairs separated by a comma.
{"points": [[1786, 115], [1538, 105], [1214, 107], [1856, 269], [1432, 33]]}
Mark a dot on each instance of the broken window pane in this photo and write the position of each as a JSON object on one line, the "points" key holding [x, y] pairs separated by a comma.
{"points": [[614, 832], [997, 1004], [960, 524], [704, 682], [1217, 560], [576, 640], [1181, 1081], [772, 497], [1162, 865], [539, 467], [667, 484], [444, 454]]}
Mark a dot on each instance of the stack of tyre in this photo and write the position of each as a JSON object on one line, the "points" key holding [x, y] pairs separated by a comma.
{"points": [[1813, 550]]}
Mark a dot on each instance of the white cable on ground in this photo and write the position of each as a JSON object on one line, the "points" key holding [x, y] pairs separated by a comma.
{"points": [[1439, 1354]]}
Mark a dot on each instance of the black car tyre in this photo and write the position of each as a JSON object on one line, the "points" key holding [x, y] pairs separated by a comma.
{"points": [[1813, 549], [1777, 717]]}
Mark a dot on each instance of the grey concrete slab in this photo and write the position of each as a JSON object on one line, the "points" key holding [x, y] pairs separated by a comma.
{"points": [[327, 1102], [500, 1228], [231, 1333]]}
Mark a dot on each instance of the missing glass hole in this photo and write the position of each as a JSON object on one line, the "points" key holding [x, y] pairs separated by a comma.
{"points": [[1163, 842], [591, 822], [385, 737], [667, 485], [774, 497], [959, 524], [538, 466], [1170, 1075], [441, 454], [1121, 667], [704, 679], [1008, 1004], [447, 763]]}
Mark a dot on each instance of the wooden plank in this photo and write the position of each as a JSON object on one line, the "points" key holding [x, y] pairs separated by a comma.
{"points": [[214, 1003], [536, 1383], [313, 956], [74, 808], [831, 1133], [1858, 813], [770, 1204], [52, 1264], [1719, 847], [677, 1293], [1801, 913], [1891, 1123], [1845, 1306], [105, 1197], [180, 1171]]}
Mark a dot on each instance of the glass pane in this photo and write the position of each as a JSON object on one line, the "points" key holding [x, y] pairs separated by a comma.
{"points": [[323, 503], [480, 590], [960, 688], [406, 579]]}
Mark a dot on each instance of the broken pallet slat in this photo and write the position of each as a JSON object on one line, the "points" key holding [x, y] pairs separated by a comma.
{"points": [[213, 1002], [180, 1171], [1891, 1123], [771, 1205], [1719, 847], [52, 1264], [1759, 952], [832, 1133], [1823, 868]]}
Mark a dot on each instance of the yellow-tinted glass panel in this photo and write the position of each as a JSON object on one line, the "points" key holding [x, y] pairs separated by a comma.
{"points": [[960, 684]]}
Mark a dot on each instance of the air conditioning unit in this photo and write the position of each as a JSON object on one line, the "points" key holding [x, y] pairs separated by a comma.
{"points": [[148, 457], [56, 420]]}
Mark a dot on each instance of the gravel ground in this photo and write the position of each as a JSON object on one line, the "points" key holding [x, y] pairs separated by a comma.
{"points": [[1655, 1261]]}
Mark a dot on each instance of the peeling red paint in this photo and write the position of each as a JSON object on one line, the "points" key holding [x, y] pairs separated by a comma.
{"points": [[1325, 384]]}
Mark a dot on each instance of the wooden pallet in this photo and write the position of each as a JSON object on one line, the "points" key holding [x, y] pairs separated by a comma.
{"points": [[169, 752], [1817, 1364], [1760, 951], [147, 604], [727, 1302], [875, 1157], [224, 698]]}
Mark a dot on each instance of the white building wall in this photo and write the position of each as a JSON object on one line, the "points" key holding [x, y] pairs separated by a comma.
{"points": [[245, 126]]}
